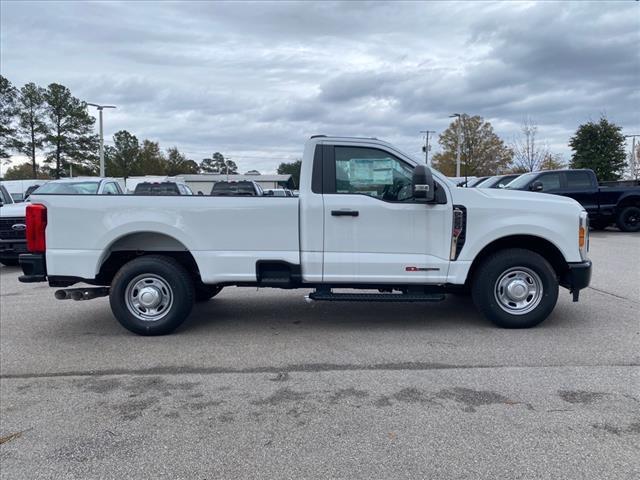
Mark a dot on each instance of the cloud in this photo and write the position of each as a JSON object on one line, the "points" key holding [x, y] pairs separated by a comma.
{"points": [[254, 80]]}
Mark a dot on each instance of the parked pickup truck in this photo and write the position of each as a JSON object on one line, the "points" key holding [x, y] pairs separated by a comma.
{"points": [[605, 204], [12, 229], [368, 218]]}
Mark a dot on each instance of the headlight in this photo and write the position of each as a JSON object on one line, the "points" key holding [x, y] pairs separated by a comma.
{"points": [[583, 235]]}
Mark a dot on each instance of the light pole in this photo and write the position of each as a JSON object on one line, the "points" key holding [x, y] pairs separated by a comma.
{"points": [[634, 160], [459, 130], [426, 145], [100, 108]]}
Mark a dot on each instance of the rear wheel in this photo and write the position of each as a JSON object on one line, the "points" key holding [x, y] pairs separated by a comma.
{"points": [[629, 219], [10, 262], [152, 295], [515, 288]]}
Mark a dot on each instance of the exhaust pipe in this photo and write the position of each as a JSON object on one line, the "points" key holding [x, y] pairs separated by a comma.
{"points": [[79, 294], [62, 295]]}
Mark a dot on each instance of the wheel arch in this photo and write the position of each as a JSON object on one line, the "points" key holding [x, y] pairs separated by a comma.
{"points": [[540, 245], [631, 199], [136, 244]]}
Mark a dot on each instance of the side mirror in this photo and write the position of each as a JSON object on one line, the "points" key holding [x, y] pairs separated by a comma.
{"points": [[536, 186], [423, 186]]}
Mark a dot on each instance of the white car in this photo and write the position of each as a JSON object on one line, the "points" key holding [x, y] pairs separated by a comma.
{"points": [[369, 217], [81, 186]]}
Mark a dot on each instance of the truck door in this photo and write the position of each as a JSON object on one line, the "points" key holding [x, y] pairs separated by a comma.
{"points": [[374, 231], [580, 186]]}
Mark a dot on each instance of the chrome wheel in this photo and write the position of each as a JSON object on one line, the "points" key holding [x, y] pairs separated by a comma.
{"points": [[518, 290], [148, 297]]}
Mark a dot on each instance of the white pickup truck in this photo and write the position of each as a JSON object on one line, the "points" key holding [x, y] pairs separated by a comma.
{"points": [[368, 218]]}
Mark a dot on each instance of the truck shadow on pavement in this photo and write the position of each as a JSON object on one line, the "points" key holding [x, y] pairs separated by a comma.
{"points": [[287, 311]]}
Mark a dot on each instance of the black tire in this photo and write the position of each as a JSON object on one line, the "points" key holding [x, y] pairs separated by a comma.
{"points": [[204, 292], [628, 219], [502, 267], [10, 262], [162, 277]]}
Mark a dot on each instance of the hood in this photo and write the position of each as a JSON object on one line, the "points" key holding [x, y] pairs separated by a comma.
{"points": [[506, 194], [521, 195], [14, 210]]}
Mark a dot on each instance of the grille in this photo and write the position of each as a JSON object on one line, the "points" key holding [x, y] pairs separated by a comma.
{"points": [[7, 233]]}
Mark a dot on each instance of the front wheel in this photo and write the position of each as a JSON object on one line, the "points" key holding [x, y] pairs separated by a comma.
{"points": [[152, 295], [629, 219], [515, 288]]}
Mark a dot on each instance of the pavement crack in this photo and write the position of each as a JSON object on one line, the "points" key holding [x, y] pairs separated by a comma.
{"points": [[299, 368], [614, 295]]}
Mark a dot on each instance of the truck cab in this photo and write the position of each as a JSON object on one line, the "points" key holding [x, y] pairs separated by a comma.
{"points": [[605, 204]]}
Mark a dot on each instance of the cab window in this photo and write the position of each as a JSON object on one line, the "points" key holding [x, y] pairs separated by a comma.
{"points": [[550, 181], [372, 172], [111, 189], [578, 180]]}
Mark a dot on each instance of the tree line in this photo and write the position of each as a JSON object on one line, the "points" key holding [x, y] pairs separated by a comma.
{"points": [[50, 121], [599, 146], [52, 124]]}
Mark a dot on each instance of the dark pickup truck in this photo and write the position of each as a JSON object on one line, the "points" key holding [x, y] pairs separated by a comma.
{"points": [[605, 204]]}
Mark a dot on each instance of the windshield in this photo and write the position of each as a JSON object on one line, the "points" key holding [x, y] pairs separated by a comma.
{"points": [[476, 181], [4, 196], [486, 183], [164, 188], [233, 189], [521, 181], [82, 188]]}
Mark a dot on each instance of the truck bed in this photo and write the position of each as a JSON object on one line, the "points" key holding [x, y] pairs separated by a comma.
{"points": [[225, 235]]}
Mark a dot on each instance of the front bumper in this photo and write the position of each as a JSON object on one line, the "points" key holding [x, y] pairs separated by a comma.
{"points": [[10, 249], [34, 267], [577, 277]]}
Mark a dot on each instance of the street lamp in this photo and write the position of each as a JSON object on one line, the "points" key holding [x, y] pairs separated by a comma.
{"points": [[459, 129], [100, 108]]}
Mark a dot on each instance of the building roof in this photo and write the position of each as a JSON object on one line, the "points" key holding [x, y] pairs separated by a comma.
{"points": [[215, 177]]}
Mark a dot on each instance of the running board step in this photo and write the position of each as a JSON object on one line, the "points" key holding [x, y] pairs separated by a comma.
{"points": [[376, 297]]}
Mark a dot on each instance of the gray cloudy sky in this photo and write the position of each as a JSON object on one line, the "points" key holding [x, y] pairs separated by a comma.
{"points": [[254, 80]]}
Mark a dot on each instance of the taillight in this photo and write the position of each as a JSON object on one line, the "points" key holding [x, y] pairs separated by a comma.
{"points": [[36, 225]]}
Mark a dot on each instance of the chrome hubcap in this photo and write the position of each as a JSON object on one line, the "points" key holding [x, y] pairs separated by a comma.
{"points": [[518, 290], [149, 297]]}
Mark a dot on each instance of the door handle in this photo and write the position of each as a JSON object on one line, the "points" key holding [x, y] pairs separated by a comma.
{"points": [[345, 213]]}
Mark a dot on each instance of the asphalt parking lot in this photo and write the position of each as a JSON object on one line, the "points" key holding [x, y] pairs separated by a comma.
{"points": [[260, 384]]}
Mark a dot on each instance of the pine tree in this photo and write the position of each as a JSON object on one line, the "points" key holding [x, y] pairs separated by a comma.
{"points": [[32, 128], [8, 111], [600, 147], [123, 158], [151, 160], [70, 137]]}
